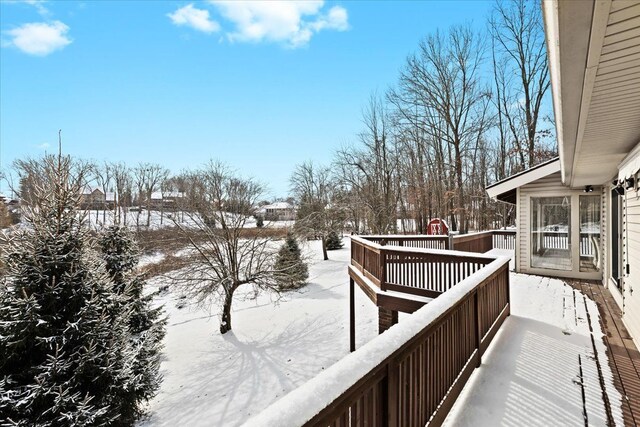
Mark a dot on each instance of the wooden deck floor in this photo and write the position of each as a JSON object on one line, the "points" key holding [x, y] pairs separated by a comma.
{"points": [[624, 357]]}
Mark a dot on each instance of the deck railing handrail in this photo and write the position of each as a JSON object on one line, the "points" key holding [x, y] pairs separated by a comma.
{"points": [[430, 269], [411, 374]]}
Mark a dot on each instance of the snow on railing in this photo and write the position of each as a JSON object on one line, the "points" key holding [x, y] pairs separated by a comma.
{"points": [[370, 386]]}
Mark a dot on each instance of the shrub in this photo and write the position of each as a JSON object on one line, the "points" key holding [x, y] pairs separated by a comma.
{"points": [[290, 269], [334, 241]]}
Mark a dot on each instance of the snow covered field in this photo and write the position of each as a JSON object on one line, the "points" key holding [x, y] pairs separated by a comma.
{"points": [[98, 219], [529, 376], [212, 379]]}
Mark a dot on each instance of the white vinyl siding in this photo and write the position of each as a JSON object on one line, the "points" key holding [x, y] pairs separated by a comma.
{"points": [[606, 239], [631, 238], [549, 186]]}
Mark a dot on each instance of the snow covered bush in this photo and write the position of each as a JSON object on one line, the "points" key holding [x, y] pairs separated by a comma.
{"points": [[65, 353], [146, 326], [291, 270], [334, 241]]}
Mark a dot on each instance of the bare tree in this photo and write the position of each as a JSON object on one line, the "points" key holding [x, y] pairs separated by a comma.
{"points": [[226, 258], [522, 75], [155, 176], [370, 169], [147, 178], [32, 176], [123, 182], [320, 208], [102, 174], [443, 77]]}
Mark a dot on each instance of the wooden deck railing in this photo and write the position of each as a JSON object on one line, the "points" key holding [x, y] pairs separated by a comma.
{"points": [[480, 242], [397, 268], [504, 239], [412, 374], [418, 241]]}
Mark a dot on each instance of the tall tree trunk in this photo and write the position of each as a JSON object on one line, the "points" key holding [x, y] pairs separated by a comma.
{"points": [[324, 248], [461, 205], [148, 210], [225, 320]]}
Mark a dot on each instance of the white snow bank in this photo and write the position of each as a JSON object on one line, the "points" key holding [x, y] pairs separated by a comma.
{"points": [[300, 405], [148, 259]]}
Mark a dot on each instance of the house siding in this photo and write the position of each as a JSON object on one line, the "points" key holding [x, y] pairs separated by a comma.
{"points": [[605, 237], [631, 250], [549, 185]]}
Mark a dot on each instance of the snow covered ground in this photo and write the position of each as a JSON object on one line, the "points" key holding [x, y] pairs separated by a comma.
{"points": [[212, 379], [530, 375], [540, 363], [98, 219]]}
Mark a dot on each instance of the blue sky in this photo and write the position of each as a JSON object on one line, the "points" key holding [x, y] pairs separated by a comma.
{"points": [[177, 83]]}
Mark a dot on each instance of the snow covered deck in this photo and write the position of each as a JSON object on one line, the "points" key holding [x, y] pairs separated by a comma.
{"points": [[532, 369], [547, 366]]}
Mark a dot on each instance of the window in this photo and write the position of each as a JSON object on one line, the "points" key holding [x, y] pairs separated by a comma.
{"points": [[590, 233], [551, 233]]}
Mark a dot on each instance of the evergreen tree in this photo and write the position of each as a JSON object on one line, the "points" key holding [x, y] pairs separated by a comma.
{"points": [[291, 270], [259, 221], [334, 241], [65, 356], [146, 327]]}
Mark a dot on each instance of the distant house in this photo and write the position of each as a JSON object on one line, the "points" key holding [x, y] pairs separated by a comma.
{"points": [[167, 200], [279, 211], [95, 198]]}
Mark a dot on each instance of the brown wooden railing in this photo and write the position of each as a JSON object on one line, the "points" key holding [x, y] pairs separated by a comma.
{"points": [[418, 241], [412, 374], [474, 242], [398, 268]]}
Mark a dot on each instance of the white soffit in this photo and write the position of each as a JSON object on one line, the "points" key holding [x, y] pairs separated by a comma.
{"points": [[631, 164], [523, 178], [596, 134]]}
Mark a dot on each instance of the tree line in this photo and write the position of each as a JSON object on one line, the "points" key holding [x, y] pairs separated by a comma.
{"points": [[467, 110]]}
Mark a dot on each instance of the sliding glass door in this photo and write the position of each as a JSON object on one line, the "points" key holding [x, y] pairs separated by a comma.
{"points": [[590, 233], [551, 233]]}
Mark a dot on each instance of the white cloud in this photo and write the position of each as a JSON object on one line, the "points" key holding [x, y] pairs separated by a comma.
{"points": [[43, 146], [40, 38], [39, 5], [291, 23], [198, 19]]}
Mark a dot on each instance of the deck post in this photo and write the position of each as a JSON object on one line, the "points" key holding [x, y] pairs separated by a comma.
{"points": [[352, 317], [392, 395], [383, 269], [386, 319], [478, 334]]}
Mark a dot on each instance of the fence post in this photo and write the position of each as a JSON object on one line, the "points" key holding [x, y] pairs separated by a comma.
{"points": [[352, 316], [476, 302], [383, 268], [450, 242], [392, 394]]}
